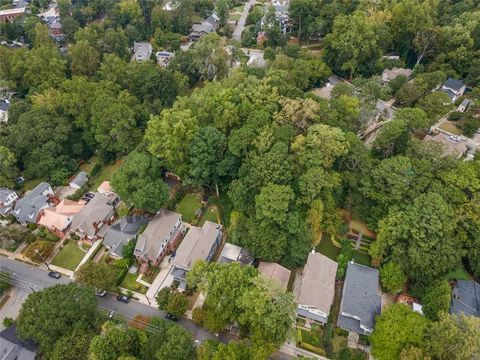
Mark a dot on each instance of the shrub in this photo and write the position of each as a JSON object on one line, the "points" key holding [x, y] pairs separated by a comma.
{"points": [[346, 254], [392, 277], [31, 226], [455, 116], [41, 233], [198, 316], [52, 238], [437, 298], [7, 322], [95, 169], [11, 219]]}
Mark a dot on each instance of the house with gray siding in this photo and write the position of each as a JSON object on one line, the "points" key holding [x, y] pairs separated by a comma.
{"points": [[121, 232], [360, 299], [7, 201], [28, 208], [200, 243]]}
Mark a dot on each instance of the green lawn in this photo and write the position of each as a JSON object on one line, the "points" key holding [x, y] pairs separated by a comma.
{"points": [[362, 258], [458, 274], [211, 215], [105, 174], [234, 17], [225, 207], [188, 206], [130, 283], [69, 257], [30, 184], [327, 248]]}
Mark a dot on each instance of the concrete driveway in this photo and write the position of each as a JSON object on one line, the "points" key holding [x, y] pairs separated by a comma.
{"points": [[237, 33]]}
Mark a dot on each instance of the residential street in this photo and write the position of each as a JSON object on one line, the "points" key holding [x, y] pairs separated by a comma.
{"points": [[237, 33], [30, 278]]}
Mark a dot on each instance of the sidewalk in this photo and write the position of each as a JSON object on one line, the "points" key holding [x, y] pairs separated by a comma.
{"points": [[292, 350], [89, 253]]}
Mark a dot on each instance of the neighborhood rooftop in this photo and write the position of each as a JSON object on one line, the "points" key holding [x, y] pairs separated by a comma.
{"points": [[123, 230], [92, 215], [196, 245], [466, 298], [275, 272], [360, 302]]}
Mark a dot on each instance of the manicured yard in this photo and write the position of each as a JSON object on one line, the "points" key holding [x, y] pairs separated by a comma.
{"points": [[105, 173], [188, 206], [362, 258], [130, 283], [312, 340], [211, 214], [451, 128], [30, 184], [234, 17], [69, 257], [327, 248]]}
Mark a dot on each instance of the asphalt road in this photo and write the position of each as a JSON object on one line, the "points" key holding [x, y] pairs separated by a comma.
{"points": [[237, 33], [30, 279]]}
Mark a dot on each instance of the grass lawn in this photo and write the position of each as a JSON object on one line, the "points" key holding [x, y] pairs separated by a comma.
{"points": [[105, 173], [362, 258], [339, 343], [69, 257], [225, 207], [130, 283], [239, 8], [451, 128], [30, 184], [211, 215], [312, 341], [458, 274], [327, 248], [188, 206], [234, 17]]}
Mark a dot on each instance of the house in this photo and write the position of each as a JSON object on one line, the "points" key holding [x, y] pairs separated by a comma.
{"points": [[78, 181], [262, 38], [390, 74], [454, 88], [10, 14], [200, 243], [142, 51], [452, 145], [159, 237], [29, 207], [326, 91], [7, 201], [281, 14], [59, 217], [13, 348], [255, 57], [233, 253], [4, 105], [207, 26], [466, 298], [317, 289], [91, 222], [121, 232], [276, 272], [410, 302], [464, 105], [163, 58], [105, 188], [55, 28], [360, 300]]}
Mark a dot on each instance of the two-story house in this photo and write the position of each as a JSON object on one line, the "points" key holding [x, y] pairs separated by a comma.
{"points": [[59, 217], [121, 232], [28, 208], [7, 201], [360, 300], [200, 243], [159, 237], [317, 289], [454, 88], [91, 222]]}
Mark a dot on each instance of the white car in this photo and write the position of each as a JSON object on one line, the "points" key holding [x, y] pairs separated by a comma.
{"points": [[454, 138]]}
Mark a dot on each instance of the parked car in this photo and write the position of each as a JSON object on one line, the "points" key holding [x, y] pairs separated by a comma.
{"points": [[123, 298], [171, 317], [55, 274], [100, 293], [89, 195], [454, 138]]}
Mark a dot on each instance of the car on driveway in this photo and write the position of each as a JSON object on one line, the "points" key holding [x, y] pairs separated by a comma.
{"points": [[171, 317], [55, 274], [123, 298]]}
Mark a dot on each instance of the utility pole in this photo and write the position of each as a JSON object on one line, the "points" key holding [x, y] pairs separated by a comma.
{"points": [[41, 257]]}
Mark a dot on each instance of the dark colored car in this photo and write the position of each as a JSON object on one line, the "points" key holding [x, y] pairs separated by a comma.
{"points": [[55, 274], [123, 298], [171, 317], [89, 195]]}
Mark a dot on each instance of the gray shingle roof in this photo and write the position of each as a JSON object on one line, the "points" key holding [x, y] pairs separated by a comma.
{"points": [[4, 194], [454, 84], [99, 209], [360, 301], [142, 51], [28, 208], [80, 180], [466, 298], [14, 348], [4, 104], [122, 231]]}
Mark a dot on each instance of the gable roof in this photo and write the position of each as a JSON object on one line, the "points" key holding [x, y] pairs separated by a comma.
{"points": [[99, 209], [454, 84], [466, 298], [4, 194], [122, 231], [196, 245], [80, 180], [105, 187], [142, 50], [149, 242], [58, 216], [275, 272], [360, 298], [233, 253], [4, 104], [27, 208], [317, 287]]}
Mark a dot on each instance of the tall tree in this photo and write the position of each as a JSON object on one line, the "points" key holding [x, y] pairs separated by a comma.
{"points": [[99, 276]]}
